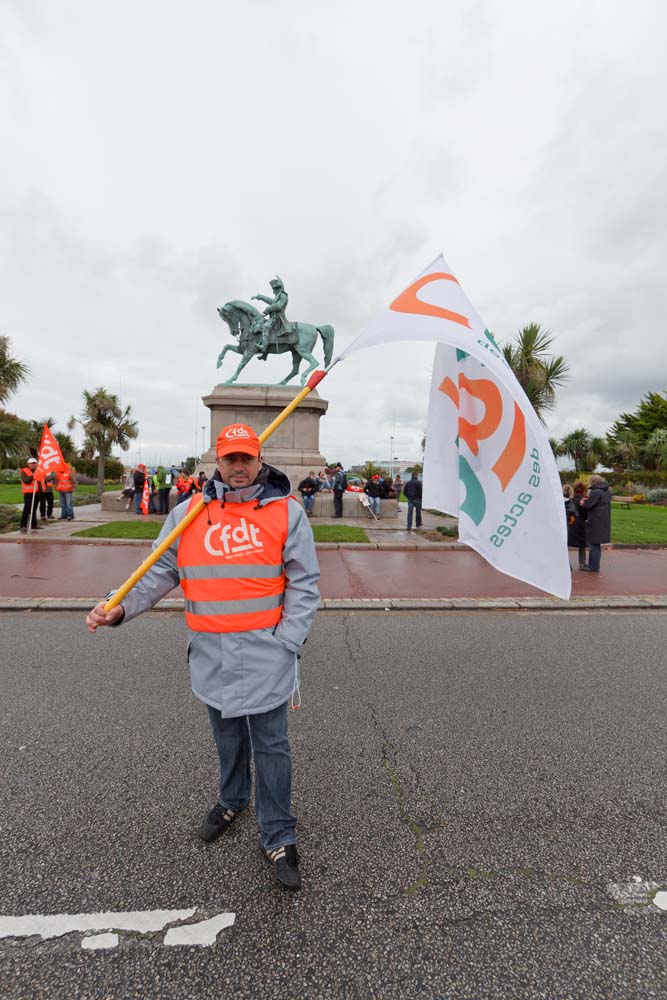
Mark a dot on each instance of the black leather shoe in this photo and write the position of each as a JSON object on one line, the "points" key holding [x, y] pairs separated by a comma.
{"points": [[285, 861], [216, 822]]}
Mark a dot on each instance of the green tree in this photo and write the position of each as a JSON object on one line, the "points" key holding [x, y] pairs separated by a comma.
{"points": [[370, 469], [105, 425], [650, 415], [14, 432], [12, 372], [189, 464], [577, 446], [655, 449], [623, 450], [14, 440], [538, 372], [555, 447]]}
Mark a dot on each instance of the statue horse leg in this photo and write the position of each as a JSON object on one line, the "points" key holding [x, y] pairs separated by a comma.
{"points": [[296, 361], [228, 347], [312, 361], [247, 356]]}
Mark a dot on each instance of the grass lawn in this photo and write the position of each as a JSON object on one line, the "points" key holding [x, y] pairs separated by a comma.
{"points": [[639, 523], [11, 492], [122, 529], [338, 533], [151, 529]]}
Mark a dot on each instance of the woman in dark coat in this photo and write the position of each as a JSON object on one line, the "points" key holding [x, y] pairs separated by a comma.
{"points": [[576, 523], [598, 507]]}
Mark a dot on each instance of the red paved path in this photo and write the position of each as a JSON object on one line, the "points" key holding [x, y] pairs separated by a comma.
{"points": [[53, 569]]}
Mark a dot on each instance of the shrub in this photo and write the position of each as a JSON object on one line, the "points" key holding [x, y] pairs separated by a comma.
{"points": [[640, 498], [10, 517], [658, 496], [621, 483], [9, 476]]}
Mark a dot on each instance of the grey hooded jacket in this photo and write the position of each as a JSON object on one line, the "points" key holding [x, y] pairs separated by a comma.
{"points": [[244, 673]]}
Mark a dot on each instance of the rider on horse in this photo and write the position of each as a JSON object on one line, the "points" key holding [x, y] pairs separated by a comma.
{"points": [[275, 322]]}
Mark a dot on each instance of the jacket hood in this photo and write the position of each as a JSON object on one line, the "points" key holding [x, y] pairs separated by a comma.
{"points": [[270, 484], [604, 485]]}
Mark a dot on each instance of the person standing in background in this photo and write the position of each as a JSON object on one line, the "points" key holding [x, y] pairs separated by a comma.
{"points": [[598, 511], [413, 492], [46, 497], [65, 485]]}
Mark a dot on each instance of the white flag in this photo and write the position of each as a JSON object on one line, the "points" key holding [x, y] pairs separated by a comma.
{"points": [[488, 460], [485, 464]]}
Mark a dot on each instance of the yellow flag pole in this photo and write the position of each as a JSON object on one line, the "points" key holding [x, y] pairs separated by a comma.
{"points": [[122, 591]]}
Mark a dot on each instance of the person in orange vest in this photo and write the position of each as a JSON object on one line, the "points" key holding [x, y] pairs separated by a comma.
{"points": [[46, 497], [31, 487], [65, 484], [183, 486], [248, 568]]}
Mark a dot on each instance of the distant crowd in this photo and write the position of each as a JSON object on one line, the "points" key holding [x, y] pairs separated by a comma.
{"points": [[161, 481]]}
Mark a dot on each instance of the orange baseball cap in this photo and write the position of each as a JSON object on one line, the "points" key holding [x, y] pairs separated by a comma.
{"points": [[235, 438]]}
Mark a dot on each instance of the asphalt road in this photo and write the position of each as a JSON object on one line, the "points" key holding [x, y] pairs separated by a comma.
{"points": [[468, 788]]}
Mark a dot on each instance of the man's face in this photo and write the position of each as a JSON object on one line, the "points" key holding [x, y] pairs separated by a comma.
{"points": [[238, 469]]}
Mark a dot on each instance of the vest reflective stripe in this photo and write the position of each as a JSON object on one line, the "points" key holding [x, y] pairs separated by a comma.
{"points": [[229, 572], [234, 607], [64, 482], [230, 566], [30, 487]]}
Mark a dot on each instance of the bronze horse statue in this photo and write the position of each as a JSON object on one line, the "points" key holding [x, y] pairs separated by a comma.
{"points": [[245, 323]]}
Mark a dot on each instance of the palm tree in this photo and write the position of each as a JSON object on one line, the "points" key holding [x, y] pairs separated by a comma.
{"points": [[15, 437], [577, 446], [370, 469], [624, 448], [12, 372], [105, 425], [655, 449], [538, 372]]}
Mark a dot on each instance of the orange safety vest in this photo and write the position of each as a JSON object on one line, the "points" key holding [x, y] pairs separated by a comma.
{"points": [[181, 484], [36, 484], [64, 481], [230, 563]]}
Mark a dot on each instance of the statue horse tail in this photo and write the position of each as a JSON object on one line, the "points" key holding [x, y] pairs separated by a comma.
{"points": [[327, 335]]}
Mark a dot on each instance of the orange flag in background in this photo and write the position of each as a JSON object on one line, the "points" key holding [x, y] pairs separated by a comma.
{"points": [[50, 457], [146, 495]]}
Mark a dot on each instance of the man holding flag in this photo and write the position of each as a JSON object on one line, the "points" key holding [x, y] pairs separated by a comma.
{"points": [[31, 487]]}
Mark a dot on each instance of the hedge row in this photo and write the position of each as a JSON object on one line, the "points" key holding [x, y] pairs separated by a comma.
{"points": [[622, 482]]}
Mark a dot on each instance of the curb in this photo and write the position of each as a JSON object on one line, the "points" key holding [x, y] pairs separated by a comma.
{"points": [[615, 603]]}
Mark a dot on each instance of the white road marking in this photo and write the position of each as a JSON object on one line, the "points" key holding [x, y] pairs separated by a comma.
{"points": [[95, 941], [638, 893], [56, 924], [203, 933]]}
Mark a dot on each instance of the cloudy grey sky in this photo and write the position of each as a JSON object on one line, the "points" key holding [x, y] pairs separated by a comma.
{"points": [[160, 158]]}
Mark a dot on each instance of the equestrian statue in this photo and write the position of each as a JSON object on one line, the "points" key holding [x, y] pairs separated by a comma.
{"points": [[260, 334]]}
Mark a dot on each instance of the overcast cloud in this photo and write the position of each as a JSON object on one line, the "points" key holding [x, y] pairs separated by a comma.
{"points": [[159, 159]]}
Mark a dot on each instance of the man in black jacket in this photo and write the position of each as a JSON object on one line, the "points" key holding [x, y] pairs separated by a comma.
{"points": [[413, 491], [339, 487], [308, 487]]}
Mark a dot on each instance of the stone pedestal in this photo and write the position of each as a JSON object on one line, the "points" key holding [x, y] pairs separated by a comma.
{"points": [[294, 447]]}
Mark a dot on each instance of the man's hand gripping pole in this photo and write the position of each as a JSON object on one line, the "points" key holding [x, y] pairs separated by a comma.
{"points": [[122, 591]]}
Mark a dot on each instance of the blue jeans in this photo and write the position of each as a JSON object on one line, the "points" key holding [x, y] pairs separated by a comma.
{"points": [[265, 737], [308, 501], [416, 506], [375, 505], [66, 506], [594, 556]]}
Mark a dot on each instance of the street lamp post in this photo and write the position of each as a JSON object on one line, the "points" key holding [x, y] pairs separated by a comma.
{"points": [[203, 438], [391, 456]]}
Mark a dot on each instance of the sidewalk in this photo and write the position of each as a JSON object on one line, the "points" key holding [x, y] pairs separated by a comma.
{"points": [[398, 568]]}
